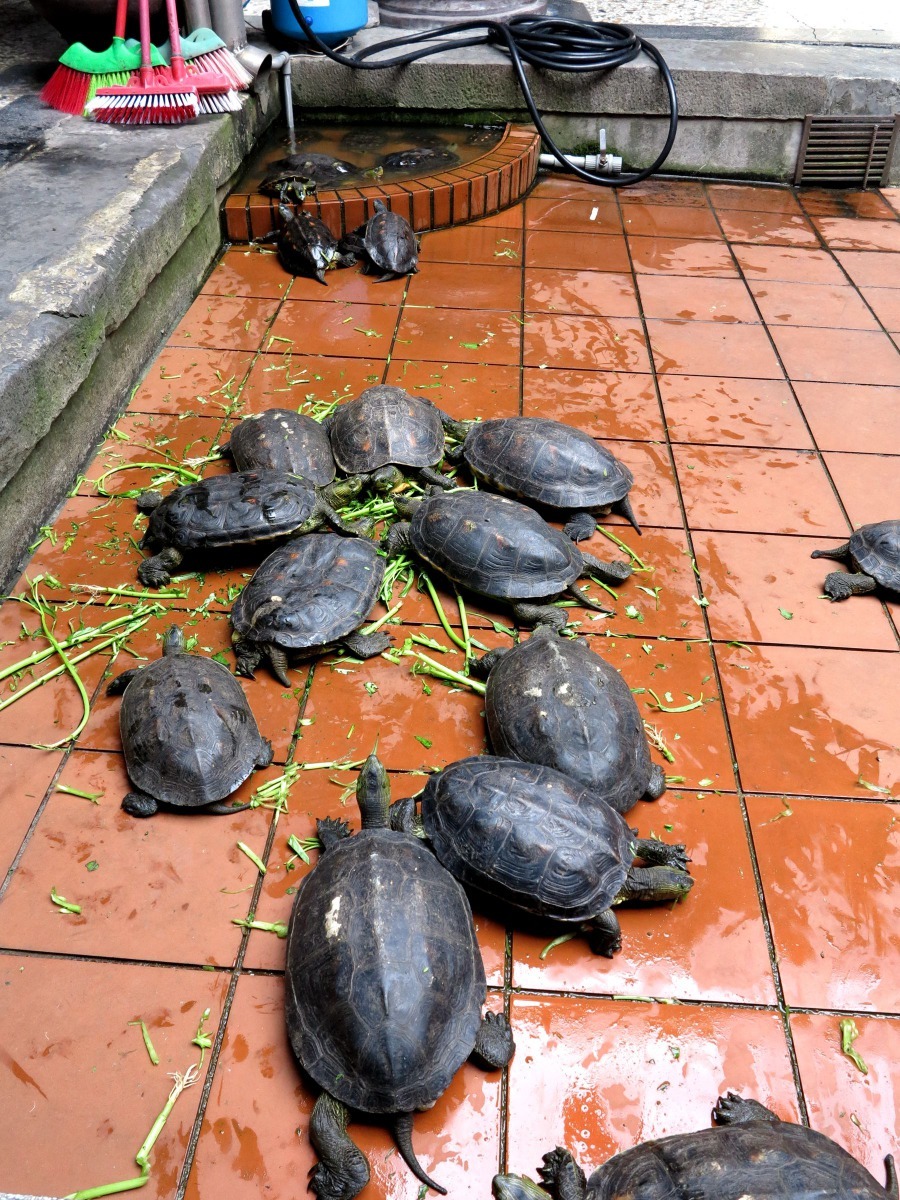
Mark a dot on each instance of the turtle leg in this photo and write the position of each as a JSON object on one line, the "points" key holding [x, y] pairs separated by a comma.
{"points": [[561, 1175], [157, 571], [343, 1170], [324, 514], [396, 540], [436, 478], [657, 784], [147, 501], [482, 667], [139, 804], [654, 885], [248, 655], [266, 754], [403, 818], [840, 585], [330, 832], [403, 1125], [610, 573], [456, 429], [580, 526], [587, 601], [656, 853], [839, 553], [117, 686], [604, 934], [733, 1109], [494, 1045], [624, 509], [278, 660], [539, 614], [220, 809], [890, 1173], [367, 645]]}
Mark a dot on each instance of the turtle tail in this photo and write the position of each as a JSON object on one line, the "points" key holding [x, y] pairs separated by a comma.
{"points": [[403, 1126], [624, 509]]}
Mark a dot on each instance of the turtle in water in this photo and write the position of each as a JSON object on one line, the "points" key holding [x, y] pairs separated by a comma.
{"points": [[385, 243], [384, 986], [322, 169], [752, 1153], [188, 734], [224, 511], [500, 549], [874, 553], [305, 245], [552, 701], [550, 464], [281, 439], [384, 429], [308, 596], [420, 158], [286, 185], [543, 845]]}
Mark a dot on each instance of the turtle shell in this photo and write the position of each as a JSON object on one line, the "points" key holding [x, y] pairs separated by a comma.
{"points": [[493, 546], [385, 981], [229, 510], [390, 242], [875, 549], [305, 244], [188, 734], [417, 158], [283, 440], [527, 835], [312, 591], [322, 168], [545, 461], [551, 700], [386, 425]]}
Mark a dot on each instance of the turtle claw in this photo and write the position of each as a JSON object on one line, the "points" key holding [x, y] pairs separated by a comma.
{"points": [[580, 526], [561, 1175], [152, 572], [841, 585], [494, 1045]]}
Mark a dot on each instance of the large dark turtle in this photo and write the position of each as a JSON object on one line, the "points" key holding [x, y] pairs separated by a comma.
{"points": [[420, 158], [281, 439], [500, 549], [543, 845], [305, 245], [188, 734], [874, 553], [385, 986], [309, 594], [552, 701], [752, 1155], [231, 510], [323, 169], [385, 243], [385, 428], [550, 464]]}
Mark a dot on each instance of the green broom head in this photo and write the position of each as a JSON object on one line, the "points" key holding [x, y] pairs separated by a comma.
{"points": [[201, 41], [122, 57]]}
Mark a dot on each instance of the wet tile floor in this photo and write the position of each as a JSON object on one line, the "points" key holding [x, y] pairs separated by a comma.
{"points": [[738, 348]]}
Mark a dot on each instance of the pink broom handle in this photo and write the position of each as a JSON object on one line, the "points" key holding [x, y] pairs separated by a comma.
{"points": [[121, 18], [179, 73], [146, 67]]}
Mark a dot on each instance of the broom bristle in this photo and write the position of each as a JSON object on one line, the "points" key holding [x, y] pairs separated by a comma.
{"points": [[220, 102], [223, 61], [67, 90], [160, 108]]}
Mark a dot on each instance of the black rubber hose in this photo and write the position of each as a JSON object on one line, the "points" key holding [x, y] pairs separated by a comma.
{"points": [[552, 43]]}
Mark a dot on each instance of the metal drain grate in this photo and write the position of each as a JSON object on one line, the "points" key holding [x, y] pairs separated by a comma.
{"points": [[846, 151]]}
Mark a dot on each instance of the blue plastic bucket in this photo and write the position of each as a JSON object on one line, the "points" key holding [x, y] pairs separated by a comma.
{"points": [[332, 20]]}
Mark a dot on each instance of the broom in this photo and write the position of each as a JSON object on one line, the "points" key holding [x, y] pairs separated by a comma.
{"points": [[204, 52]]}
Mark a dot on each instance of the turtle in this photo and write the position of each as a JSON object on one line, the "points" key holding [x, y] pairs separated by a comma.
{"points": [[501, 549], [542, 844], [230, 510], [310, 594], [386, 243], [419, 158], [305, 245], [552, 701], [188, 734], [874, 553], [386, 428], [286, 184], [384, 986], [550, 464], [281, 439], [322, 169], [751, 1153]]}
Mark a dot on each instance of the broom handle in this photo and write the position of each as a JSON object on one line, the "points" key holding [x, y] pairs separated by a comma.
{"points": [[146, 66], [177, 58], [121, 19]]}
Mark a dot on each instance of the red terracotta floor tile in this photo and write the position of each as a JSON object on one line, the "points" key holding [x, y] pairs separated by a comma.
{"points": [[752, 579], [868, 269], [192, 381], [681, 256], [852, 417], [249, 1144], [506, 218], [158, 438], [569, 187], [598, 343], [335, 328], [666, 191], [452, 285], [588, 293], [654, 496], [248, 271], [601, 1076], [574, 216], [725, 300], [727, 196], [289, 380], [836, 307], [867, 485], [464, 390], [707, 348], [350, 285], [478, 245], [885, 303], [225, 323], [729, 412], [827, 203], [161, 891], [768, 229], [829, 872], [72, 1038], [698, 949], [607, 404], [564, 252], [812, 721], [25, 775], [850, 233], [417, 608], [858, 1111], [459, 335], [749, 490], [792, 264], [837, 355], [669, 220]]}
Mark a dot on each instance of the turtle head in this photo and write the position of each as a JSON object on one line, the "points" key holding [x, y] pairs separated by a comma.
{"points": [[284, 212], [406, 505], [373, 794], [173, 642], [516, 1187], [343, 490], [148, 501]]}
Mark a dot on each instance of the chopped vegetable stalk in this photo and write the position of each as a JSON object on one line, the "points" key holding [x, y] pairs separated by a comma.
{"points": [[439, 609], [254, 858], [145, 1034], [558, 941], [679, 708], [849, 1034], [427, 666], [63, 903], [277, 927], [639, 564], [656, 739], [376, 625], [94, 797], [300, 848]]}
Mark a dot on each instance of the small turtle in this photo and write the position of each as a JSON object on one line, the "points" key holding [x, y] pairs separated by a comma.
{"points": [[188, 734], [501, 549], [874, 553], [553, 701], [752, 1154], [311, 593], [305, 245], [281, 439], [386, 243], [543, 845], [550, 464], [386, 428], [232, 510], [420, 158], [385, 986], [323, 169], [285, 184]]}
